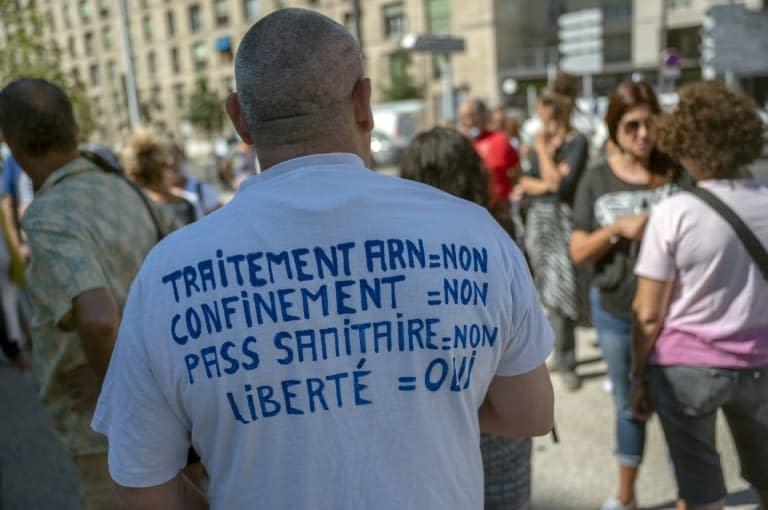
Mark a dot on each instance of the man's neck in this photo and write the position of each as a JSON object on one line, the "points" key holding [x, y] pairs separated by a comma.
{"points": [[40, 168], [269, 157]]}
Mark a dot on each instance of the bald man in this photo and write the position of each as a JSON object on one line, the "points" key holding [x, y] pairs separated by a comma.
{"points": [[332, 338]]}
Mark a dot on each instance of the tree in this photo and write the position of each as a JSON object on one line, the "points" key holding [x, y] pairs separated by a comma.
{"points": [[401, 85], [25, 51], [206, 110]]}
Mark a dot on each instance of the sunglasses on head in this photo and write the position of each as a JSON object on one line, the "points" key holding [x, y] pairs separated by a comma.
{"points": [[632, 126]]}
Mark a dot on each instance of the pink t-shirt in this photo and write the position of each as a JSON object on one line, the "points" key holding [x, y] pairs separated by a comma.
{"points": [[718, 312]]}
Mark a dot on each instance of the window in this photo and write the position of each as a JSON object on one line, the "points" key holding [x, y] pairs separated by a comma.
{"points": [[104, 8], [175, 64], [151, 63], [76, 75], [679, 4], [71, 46], [156, 99], [146, 26], [50, 20], [439, 16], [221, 12], [195, 18], [66, 16], [398, 66], [111, 71], [394, 20], [251, 9], [178, 94], [85, 10], [93, 73], [107, 38], [350, 23], [200, 56], [170, 24], [88, 43]]}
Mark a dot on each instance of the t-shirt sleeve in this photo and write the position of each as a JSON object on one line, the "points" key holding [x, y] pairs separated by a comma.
{"points": [[148, 442], [63, 266], [584, 203], [210, 197], [532, 336], [576, 159], [657, 252], [9, 171], [26, 189]]}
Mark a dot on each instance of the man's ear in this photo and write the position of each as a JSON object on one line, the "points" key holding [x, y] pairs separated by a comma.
{"points": [[361, 97], [235, 113]]}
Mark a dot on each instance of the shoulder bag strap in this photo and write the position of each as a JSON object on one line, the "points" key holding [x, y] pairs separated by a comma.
{"points": [[106, 167], [751, 242]]}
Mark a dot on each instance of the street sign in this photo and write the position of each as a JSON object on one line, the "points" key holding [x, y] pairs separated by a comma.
{"points": [[432, 44], [581, 41], [734, 39]]}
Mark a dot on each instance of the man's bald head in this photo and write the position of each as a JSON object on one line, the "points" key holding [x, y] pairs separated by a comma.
{"points": [[36, 117], [295, 71]]}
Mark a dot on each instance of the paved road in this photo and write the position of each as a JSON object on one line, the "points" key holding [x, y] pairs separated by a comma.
{"points": [[35, 473], [580, 472]]}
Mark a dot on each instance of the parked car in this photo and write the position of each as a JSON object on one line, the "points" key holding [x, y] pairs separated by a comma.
{"points": [[385, 151]]}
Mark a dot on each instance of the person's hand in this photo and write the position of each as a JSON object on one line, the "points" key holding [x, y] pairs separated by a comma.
{"points": [[554, 141], [640, 400], [631, 227], [83, 386], [516, 195], [24, 252]]}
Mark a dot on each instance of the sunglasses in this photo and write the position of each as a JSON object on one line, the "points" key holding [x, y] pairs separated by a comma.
{"points": [[631, 126]]}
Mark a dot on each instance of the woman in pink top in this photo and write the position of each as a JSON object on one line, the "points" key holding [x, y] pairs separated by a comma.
{"points": [[700, 341]]}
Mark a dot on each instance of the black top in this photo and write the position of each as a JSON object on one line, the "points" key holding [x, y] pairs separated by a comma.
{"points": [[601, 198], [574, 152]]}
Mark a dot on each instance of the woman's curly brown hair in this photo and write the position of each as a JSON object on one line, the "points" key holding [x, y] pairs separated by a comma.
{"points": [[718, 129]]}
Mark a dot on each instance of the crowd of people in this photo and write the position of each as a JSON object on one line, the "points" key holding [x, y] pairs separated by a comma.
{"points": [[332, 337]]}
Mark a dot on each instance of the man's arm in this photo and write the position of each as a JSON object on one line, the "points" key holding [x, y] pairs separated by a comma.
{"points": [[97, 319], [521, 405], [178, 493]]}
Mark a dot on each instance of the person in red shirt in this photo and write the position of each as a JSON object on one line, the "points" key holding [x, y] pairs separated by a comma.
{"points": [[499, 156]]}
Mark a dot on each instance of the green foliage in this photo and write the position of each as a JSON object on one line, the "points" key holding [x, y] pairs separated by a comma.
{"points": [[25, 51], [205, 110], [401, 85]]}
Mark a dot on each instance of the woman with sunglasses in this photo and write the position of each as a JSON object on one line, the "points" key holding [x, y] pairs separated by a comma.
{"points": [[609, 216]]}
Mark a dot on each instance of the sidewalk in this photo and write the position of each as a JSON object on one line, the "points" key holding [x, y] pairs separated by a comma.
{"points": [[580, 472]]}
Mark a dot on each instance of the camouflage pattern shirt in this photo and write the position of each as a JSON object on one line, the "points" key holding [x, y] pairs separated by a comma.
{"points": [[86, 229]]}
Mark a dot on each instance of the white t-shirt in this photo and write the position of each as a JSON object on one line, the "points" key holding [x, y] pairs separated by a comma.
{"points": [[717, 311], [324, 341]]}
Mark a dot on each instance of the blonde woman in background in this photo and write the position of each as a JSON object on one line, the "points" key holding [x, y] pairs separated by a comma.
{"points": [[146, 159]]}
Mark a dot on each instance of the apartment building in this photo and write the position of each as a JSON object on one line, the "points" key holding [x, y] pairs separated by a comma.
{"points": [[177, 45]]}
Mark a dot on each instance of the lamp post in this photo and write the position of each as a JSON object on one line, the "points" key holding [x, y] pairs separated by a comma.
{"points": [[443, 47], [130, 82]]}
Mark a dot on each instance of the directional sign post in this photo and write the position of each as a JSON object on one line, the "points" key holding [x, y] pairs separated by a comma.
{"points": [[733, 40], [581, 41], [443, 47]]}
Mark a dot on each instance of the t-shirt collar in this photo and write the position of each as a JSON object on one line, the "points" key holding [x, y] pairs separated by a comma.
{"points": [[313, 160]]}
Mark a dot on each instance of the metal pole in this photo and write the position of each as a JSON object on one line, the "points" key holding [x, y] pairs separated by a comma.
{"points": [[130, 82], [447, 82], [357, 15], [662, 44]]}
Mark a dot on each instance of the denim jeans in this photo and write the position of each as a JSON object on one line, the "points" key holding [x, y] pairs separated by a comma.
{"points": [[614, 337]]}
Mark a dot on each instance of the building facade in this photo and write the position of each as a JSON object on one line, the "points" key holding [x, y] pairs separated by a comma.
{"points": [[178, 46]]}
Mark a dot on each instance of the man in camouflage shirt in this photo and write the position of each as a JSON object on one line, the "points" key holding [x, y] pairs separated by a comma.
{"points": [[88, 232]]}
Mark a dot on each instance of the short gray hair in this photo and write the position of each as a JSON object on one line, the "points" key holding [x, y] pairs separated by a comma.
{"points": [[294, 69]]}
